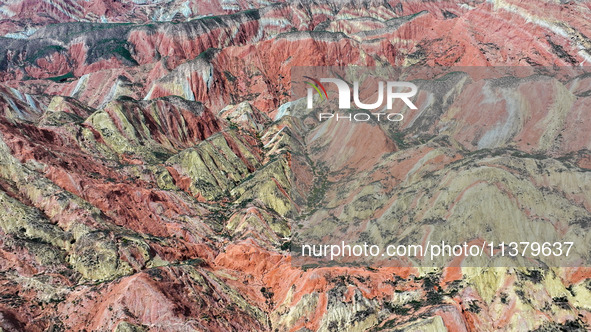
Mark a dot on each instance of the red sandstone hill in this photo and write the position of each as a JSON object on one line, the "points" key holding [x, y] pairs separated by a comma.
{"points": [[153, 171]]}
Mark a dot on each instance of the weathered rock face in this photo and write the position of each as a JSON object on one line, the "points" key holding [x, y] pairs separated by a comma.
{"points": [[21, 18], [203, 59], [152, 172]]}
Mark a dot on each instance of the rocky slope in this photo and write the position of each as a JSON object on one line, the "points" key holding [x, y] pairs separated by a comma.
{"points": [[153, 170]]}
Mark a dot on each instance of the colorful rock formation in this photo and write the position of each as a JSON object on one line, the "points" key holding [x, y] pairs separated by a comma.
{"points": [[153, 169]]}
